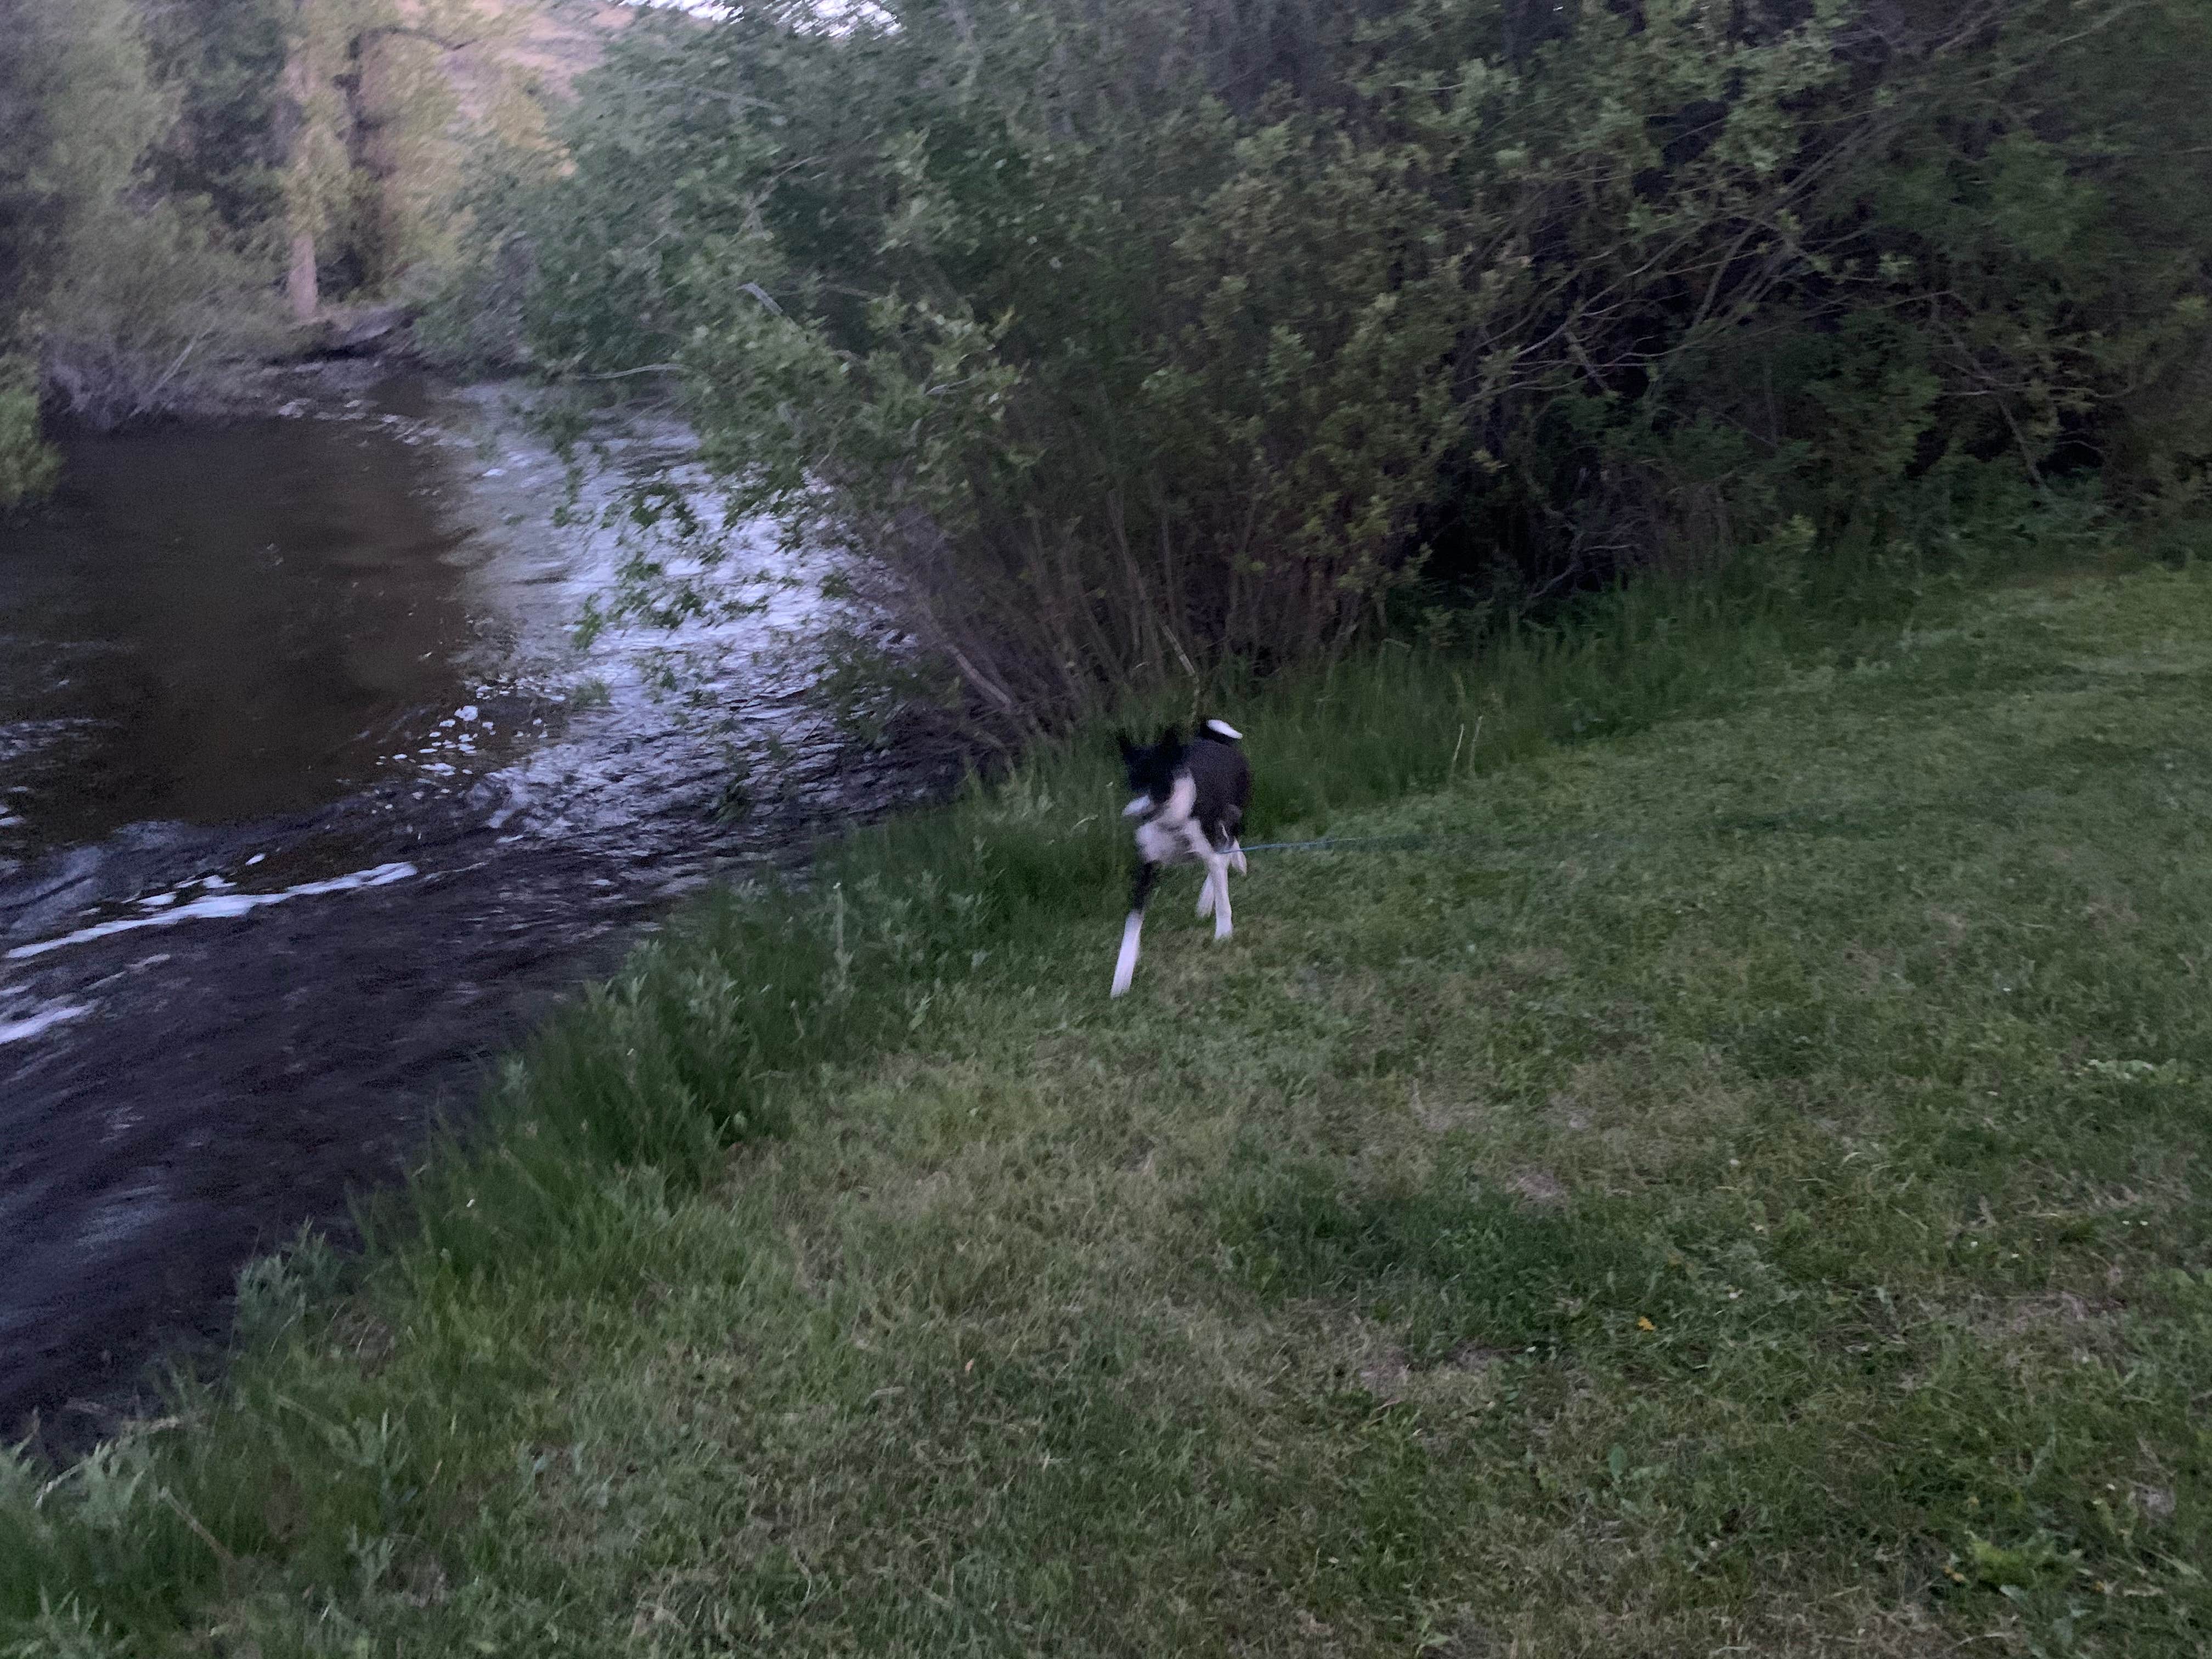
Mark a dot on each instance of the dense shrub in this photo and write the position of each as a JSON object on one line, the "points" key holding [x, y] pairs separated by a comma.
{"points": [[130, 298], [27, 464], [1136, 338]]}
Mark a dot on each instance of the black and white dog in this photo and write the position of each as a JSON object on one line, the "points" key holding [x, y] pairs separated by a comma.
{"points": [[1190, 806]]}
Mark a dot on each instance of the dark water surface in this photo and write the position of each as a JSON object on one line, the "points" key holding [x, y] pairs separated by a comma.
{"points": [[220, 624], [308, 805]]}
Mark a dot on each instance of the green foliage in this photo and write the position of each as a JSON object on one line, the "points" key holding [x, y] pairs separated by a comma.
{"points": [[152, 312], [76, 111], [473, 314], [27, 465], [223, 60], [1140, 340], [130, 300], [404, 125], [159, 163]]}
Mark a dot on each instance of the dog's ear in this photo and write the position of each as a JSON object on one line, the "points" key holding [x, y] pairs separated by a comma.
{"points": [[1129, 749], [1171, 739]]}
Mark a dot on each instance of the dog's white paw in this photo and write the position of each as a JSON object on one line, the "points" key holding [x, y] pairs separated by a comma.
{"points": [[1125, 964]]}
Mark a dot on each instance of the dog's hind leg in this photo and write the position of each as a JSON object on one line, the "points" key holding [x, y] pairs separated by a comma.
{"points": [[1206, 894], [1217, 882], [1132, 929], [1125, 965]]}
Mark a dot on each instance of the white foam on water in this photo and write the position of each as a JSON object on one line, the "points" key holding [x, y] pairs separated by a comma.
{"points": [[18, 1030], [217, 907]]}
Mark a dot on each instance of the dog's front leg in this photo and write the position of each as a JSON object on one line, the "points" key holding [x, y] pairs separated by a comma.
{"points": [[1214, 900], [1140, 888]]}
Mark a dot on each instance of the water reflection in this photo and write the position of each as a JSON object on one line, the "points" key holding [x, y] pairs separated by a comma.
{"points": [[219, 623], [299, 825]]}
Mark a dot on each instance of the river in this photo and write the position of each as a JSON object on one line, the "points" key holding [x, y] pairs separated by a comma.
{"points": [[310, 805]]}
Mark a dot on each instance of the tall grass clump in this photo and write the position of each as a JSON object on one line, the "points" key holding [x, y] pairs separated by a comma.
{"points": [[1131, 341]]}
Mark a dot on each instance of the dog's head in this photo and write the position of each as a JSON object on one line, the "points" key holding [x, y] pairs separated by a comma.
{"points": [[1151, 771]]}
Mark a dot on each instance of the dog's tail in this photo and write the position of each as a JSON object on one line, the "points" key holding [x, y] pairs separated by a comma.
{"points": [[1222, 731]]}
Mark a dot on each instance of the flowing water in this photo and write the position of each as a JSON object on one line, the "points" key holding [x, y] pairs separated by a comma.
{"points": [[310, 804]]}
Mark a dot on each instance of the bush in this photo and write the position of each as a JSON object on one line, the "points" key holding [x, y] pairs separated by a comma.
{"points": [[27, 465], [131, 300], [152, 315], [473, 314], [1138, 340]]}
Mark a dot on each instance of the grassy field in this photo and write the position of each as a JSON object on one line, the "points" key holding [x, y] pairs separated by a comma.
{"points": [[1736, 1186]]}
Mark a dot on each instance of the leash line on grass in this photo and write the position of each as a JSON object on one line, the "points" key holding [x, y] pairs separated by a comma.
{"points": [[1410, 843], [1350, 841], [1868, 819]]}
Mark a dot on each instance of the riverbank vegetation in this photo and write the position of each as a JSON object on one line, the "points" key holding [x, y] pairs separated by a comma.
{"points": [[1130, 342], [1721, 1166], [187, 186]]}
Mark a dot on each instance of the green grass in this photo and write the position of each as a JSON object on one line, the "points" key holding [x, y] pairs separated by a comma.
{"points": [[1738, 1188]]}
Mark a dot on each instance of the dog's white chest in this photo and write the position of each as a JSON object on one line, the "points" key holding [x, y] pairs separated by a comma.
{"points": [[1165, 837], [1159, 844]]}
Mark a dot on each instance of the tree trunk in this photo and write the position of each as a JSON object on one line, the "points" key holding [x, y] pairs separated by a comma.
{"points": [[300, 285], [300, 204]]}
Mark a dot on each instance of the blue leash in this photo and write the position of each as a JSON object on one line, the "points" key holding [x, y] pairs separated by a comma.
{"points": [[1816, 816], [1327, 841]]}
